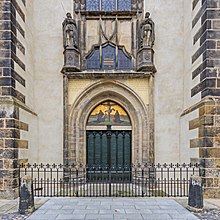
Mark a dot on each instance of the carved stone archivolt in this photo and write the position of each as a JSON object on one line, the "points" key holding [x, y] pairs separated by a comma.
{"points": [[117, 92]]}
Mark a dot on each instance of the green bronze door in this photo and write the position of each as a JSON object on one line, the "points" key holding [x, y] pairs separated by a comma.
{"points": [[108, 155]]}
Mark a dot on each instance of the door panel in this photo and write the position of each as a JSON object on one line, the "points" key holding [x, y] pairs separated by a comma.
{"points": [[108, 155]]}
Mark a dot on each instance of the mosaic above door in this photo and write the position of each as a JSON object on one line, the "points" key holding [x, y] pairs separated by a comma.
{"points": [[109, 113]]}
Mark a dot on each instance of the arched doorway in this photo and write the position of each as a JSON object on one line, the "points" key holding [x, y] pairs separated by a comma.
{"points": [[93, 96], [108, 142]]}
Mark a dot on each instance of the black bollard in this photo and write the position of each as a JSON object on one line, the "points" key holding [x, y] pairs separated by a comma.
{"points": [[26, 201], [195, 200]]}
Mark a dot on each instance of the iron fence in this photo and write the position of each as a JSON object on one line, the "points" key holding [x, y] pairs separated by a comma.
{"points": [[148, 180]]}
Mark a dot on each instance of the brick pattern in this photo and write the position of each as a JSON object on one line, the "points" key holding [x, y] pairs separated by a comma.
{"points": [[208, 37], [208, 72], [10, 125]]}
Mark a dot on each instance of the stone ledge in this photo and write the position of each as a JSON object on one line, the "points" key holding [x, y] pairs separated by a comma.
{"points": [[15, 102], [108, 75]]}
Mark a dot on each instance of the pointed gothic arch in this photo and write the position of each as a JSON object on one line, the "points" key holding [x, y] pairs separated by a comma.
{"points": [[118, 92]]}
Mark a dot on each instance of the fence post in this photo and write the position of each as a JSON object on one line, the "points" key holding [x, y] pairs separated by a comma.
{"points": [[26, 200], [195, 200]]}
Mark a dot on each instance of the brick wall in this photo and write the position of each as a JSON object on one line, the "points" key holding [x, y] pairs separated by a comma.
{"points": [[208, 122], [12, 52]]}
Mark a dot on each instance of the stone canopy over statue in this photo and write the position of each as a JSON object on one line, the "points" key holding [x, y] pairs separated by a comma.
{"points": [[147, 32], [70, 32]]}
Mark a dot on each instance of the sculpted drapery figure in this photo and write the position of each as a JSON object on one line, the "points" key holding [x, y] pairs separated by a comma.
{"points": [[147, 37], [70, 32]]}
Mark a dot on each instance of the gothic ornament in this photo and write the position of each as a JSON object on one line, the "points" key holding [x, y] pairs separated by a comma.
{"points": [[70, 32], [147, 37], [71, 46], [145, 54]]}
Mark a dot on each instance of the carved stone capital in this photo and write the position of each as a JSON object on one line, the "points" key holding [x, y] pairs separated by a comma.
{"points": [[145, 60], [71, 60]]}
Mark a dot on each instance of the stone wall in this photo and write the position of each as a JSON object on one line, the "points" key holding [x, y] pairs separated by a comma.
{"points": [[12, 98], [204, 92]]}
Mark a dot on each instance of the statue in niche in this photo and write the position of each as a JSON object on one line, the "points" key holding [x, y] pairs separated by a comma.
{"points": [[147, 32], [70, 33]]}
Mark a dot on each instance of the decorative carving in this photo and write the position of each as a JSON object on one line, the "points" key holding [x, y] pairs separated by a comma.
{"points": [[147, 35], [145, 54], [145, 60], [70, 32]]}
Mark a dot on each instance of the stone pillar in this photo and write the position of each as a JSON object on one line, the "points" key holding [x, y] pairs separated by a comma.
{"points": [[209, 151], [26, 202], [10, 125], [195, 200]]}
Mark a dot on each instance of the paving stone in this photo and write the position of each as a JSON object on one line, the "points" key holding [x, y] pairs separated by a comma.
{"points": [[60, 211], [53, 207], [156, 216], [87, 211], [65, 217], [100, 216], [42, 217], [183, 216]]}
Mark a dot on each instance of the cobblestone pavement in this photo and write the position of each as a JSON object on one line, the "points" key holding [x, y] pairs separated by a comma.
{"points": [[211, 214], [8, 209]]}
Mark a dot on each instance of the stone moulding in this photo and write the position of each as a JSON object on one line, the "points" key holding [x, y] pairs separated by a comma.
{"points": [[71, 60], [108, 75], [118, 92], [145, 60]]}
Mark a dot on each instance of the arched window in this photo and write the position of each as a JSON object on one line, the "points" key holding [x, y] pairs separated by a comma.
{"points": [[108, 5], [108, 58]]}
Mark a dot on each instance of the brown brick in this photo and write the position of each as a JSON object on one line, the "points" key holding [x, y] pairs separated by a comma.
{"points": [[10, 183], [23, 126], [22, 161], [211, 193], [218, 44], [208, 182], [202, 142], [1, 183], [12, 123], [10, 163], [209, 110], [1, 143], [211, 152], [22, 144], [195, 123]]}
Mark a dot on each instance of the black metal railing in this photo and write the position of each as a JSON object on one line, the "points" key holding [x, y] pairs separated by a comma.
{"points": [[148, 180]]}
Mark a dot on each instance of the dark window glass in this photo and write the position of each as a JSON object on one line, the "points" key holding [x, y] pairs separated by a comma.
{"points": [[108, 5], [92, 5], [108, 61]]}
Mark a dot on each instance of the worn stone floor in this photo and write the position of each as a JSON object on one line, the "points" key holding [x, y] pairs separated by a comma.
{"points": [[110, 208]]}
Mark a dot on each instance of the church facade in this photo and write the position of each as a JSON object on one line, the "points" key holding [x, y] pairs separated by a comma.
{"points": [[80, 75]]}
